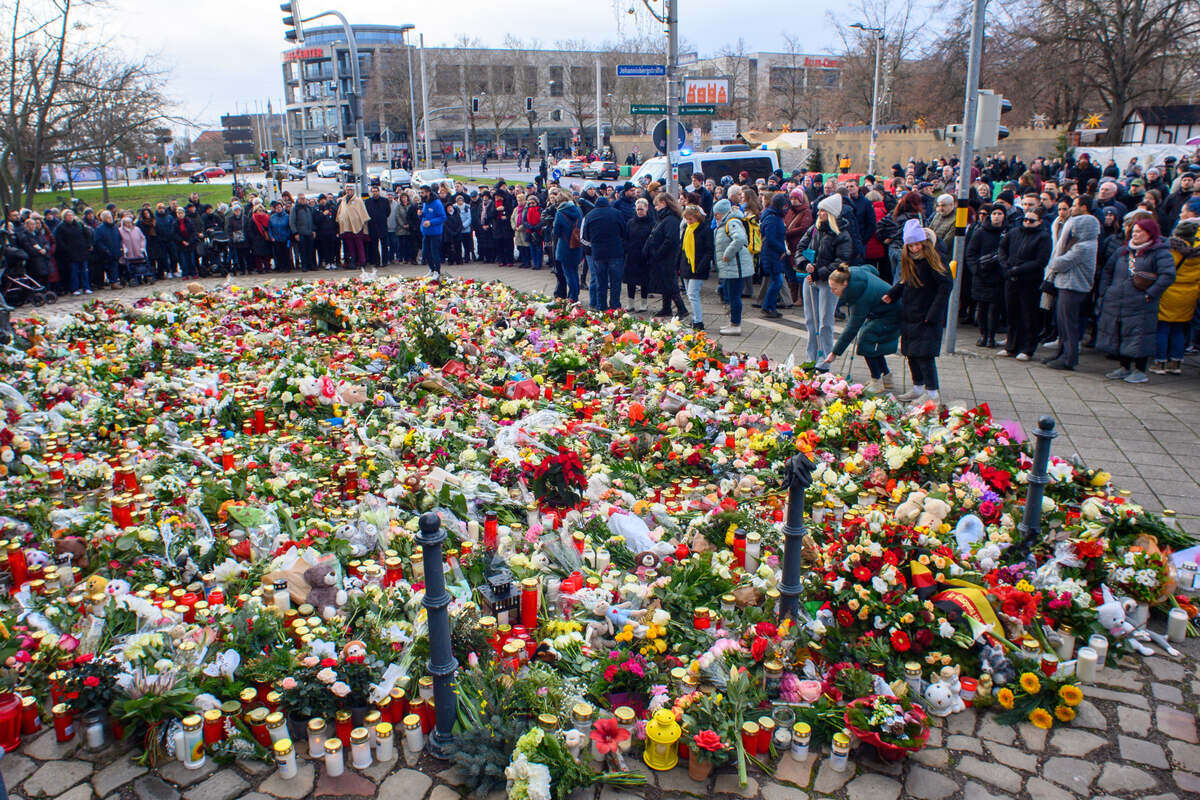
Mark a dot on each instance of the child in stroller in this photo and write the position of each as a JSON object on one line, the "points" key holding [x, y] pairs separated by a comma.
{"points": [[17, 284]]}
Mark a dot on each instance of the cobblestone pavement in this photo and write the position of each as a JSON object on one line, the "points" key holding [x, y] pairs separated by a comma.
{"points": [[1135, 735]]}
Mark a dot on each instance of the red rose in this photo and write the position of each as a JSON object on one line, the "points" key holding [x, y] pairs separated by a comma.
{"points": [[91, 681], [759, 648], [707, 740], [328, 662], [924, 637], [900, 642], [767, 629]]}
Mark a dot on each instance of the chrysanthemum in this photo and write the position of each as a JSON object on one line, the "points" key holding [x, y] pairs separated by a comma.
{"points": [[1071, 695], [1005, 697], [1064, 713], [1041, 718], [1030, 683]]}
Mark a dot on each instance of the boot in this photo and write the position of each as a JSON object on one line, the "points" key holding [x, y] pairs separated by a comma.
{"points": [[1175, 367], [795, 292], [991, 341], [912, 394], [889, 383], [981, 341]]}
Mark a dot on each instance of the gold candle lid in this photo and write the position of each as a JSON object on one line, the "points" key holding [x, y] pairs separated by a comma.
{"points": [[412, 722], [358, 736], [316, 725], [212, 715], [283, 747], [383, 730], [191, 722], [333, 745]]}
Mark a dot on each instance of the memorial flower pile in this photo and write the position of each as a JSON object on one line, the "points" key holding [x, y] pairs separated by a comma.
{"points": [[213, 500]]}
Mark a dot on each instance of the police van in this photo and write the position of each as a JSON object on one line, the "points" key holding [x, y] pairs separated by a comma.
{"points": [[729, 160]]}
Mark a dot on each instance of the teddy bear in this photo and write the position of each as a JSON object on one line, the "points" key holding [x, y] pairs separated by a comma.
{"points": [[922, 511], [324, 594]]}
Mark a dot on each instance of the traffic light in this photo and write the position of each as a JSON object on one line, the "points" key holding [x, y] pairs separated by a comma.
{"points": [[274, 155], [474, 105], [988, 130], [264, 161], [528, 104], [544, 142], [293, 30]]}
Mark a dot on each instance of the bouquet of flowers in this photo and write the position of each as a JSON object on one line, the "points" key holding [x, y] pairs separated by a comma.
{"points": [[895, 726], [1039, 699], [558, 480], [1140, 574]]}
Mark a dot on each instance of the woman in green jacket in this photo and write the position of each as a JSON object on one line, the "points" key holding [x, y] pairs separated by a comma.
{"points": [[874, 322]]}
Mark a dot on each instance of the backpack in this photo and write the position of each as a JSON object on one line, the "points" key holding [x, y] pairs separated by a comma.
{"points": [[576, 242], [753, 235]]}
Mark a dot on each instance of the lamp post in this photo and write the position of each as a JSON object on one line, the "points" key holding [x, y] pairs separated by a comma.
{"points": [[797, 476], [442, 664], [412, 98], [425, 104], [878, 33]]}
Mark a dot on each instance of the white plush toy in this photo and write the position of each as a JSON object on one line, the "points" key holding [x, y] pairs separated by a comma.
{"points": [[1112, 614], [942, 699], [922, 511]]}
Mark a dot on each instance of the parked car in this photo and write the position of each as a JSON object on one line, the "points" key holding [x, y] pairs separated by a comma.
{"points": [[399, 178], [431, 177], [203, 175], [377, 175], [328, 168], [290, 173], [604, 170], [571, 167]]}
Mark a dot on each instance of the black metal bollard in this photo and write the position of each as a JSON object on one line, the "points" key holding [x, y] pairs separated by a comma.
{"points": [[442, 664], [1030, 526], [797, 476]]}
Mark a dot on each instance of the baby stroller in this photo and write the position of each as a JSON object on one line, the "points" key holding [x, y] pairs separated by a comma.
{"points": [[17, 286], [141, 271]]}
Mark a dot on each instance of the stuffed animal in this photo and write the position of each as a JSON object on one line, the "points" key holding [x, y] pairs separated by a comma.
{"points": [[324, 594], [1112, 615], [74, 547], [908, 511], [942, 699], [922, 511]]}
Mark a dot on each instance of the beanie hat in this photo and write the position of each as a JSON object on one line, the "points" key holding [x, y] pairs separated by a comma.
{"points": [[721, 207], [1006, 196], [914, 232], [1193, 205], [831, 205], [797, 193]]}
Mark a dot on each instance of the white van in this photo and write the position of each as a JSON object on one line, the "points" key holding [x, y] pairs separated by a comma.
{"points": [[715, 165]]}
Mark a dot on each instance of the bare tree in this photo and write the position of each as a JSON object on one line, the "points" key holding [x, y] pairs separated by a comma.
{"points": [[735, 62], [388, 95], [902, 21], [580, 90]]}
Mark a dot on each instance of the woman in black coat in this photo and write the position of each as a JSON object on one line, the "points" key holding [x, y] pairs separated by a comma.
{"points": [[987, 280], [1024, 253], [697, 249], [661, 253], [155, 251], [923, 292], [637, 268]]}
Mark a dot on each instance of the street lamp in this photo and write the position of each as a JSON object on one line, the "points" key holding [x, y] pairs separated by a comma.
{"points": [[412, 99], [878, 33]]}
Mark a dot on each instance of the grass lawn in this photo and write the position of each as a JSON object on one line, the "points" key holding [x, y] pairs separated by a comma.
{"points": [[473, 179], [132, 197]]}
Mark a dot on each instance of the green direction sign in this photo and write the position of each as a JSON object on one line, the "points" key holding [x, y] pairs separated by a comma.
{"points": [[636, 108], [694, 109]]}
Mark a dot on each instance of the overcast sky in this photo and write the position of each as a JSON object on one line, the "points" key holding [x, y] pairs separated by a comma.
{"points": [[224, 54]]}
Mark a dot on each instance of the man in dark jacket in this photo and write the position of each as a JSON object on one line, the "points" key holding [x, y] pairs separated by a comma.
{"points": [[1024, 253], [304, 232], [73, 242], [604, 231], [326, 227], [864, 214], [773, 258], [627, 202], [166, 230], [106, 243], [706, 198], [1169, 213], [379, 208], [1084, 171]]}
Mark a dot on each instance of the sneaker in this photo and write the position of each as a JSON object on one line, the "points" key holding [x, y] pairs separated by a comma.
{"points": [[1005, 354], [76, 292], [643, 305], [875, 385], [919, 400], [1022, 356], [731, 330], [1058, 363], [1052, 345], [1158, 367], [1175, 367], [1118, 374], [889, 383], [772, 315], [1137, 376], [911, 394], [697, 326]]}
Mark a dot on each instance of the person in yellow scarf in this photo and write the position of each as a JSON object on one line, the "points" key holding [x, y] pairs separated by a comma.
{"points": [[695, 258], [352, 219]]}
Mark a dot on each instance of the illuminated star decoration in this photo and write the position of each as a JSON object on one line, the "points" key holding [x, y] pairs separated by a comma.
{"points": [[1039, 120], [1093, 121], [919, 123]]}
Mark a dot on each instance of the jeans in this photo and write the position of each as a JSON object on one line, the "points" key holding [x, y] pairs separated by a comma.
{"points": [[733, 292], [570, 271], [924, 372], [604, 288], [79, 276], [693, 292], [377, 246], [535, 252], [1172, 340], [774, 285], [819, 305], [431, 248], [1068, 306], [306, 247], [877, 365], [187, 261]]}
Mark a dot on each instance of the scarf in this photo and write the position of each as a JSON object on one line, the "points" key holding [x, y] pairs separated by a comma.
{"points": [[689, 243], [261, 221], [352, 216]]}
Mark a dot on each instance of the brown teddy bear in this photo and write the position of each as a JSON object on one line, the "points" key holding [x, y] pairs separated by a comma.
{"points": [[324, 594]]}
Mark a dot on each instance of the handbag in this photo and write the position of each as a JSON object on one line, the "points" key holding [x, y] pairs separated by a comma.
{"points": [[237, 237], [1142, 280]]}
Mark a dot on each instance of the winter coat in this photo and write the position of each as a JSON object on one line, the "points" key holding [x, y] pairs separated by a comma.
{"points": [[238, 223], [797, 222], [943, 228], [133, 243], [773, 257], [890, 230], [729, 243], [1128, 317], [107, 240], [1178, 302], [351, 215], [302, 220], [703, 239], [501, 226], [519, 236], [983, 262], [434, 213], [378, 211], [325, 221], [604, 231], [864, 217], [452, 227], [627, 207], [922, 310], [829, 250], [874, 322], [636, 233], [1025, 253], [566, 217], [1075, 266], [258, 229], [398, 220], [185, 229], [72, 242], [279, 226], [872, 247], [661, 252]]}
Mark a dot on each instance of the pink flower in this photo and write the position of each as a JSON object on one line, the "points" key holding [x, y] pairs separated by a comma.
{"points": [[327, 675], [67, 643], [288, 683], [340, 689], [310, 661]]}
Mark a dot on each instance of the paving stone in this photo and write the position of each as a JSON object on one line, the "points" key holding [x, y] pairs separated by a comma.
{"points": [[1133, 721], [152, 787], [181, 776], [256, 796], [612, 793], [47, 747], [771, 791], [115, 775], [16, 768], [1012, 757], [80, 792], [348, 783], [446, 793], [935, 737], [1073, 773], [254, 767], [1119, 678], [1122, 779], [962, 722], [961, 742], [1186, 756], [925, 784], [1187, 781], [1044, 790], [995, 774], [223, 785], [302, 784], [1173, 722], [936, 757], [407, 784], [1142, 751], [975, 791], [1167, 693], [993, 730], [677, 780], [1088, 716], [453, 776], [55, 777], [797, 773], [1163, 669], [1071, 742], [873, 787], [727, 783], [1129, 699], [379, 770], [830, 780], [1033, 736]]}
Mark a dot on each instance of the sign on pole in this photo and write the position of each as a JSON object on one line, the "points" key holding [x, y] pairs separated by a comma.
{"points": [[694, 109], [660, 136], [706, 90], [235, 121], [641, 108], [683, 59], [641, 71], [724, 129]]}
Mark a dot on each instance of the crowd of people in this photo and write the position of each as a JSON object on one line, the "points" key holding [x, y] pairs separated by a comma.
{"points": [[1060, 254]]}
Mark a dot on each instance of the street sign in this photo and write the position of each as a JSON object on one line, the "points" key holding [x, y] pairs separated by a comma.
{"points": [[169, 150], [239, 148], [706, 90], [235, 121], [555, 174], [660, 135], [683, 59], [237, 135], [641, 71], [724, 129], [641, 108], [694, 109]]}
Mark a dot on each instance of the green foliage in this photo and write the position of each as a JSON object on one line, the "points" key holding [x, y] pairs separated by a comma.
{"points": [[428, 337], [481, 753]]}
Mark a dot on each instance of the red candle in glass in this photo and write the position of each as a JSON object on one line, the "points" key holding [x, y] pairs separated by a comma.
{"points": [[214, 728], [580, 542], [730, 441], [227, 459], [31, 719], [491, 527], [750, 738], [64, 722], [570, 382], [344, 725], [529, 603], [18, 567], [260, 421], [701, 620], [739, 548]]}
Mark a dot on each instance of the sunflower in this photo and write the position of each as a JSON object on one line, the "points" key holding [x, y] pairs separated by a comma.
{"points": [[1071, 695], [1005, 697], [1030, 683], [1041, 718], [1064, 713]]}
